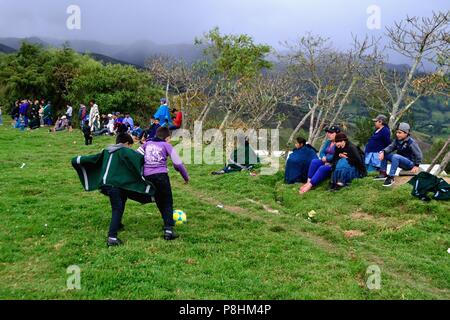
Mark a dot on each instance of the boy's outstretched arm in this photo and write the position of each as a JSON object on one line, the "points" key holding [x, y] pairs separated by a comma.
{"points": [[177, 163]]}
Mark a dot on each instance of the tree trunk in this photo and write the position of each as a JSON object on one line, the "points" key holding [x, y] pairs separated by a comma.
{"points": [[393, 120], [167, 92], [224, 122], [299, 126], [444, 163], [436, 159]]}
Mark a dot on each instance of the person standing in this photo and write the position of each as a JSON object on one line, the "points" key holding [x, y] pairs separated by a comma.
{"points": [[48, 114], [69, 114], [94, 116]]}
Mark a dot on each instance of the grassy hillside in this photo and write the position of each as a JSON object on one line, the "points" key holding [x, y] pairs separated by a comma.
{"points": [[260, 245]]}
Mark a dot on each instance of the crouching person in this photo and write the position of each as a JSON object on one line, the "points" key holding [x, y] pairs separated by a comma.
{"points": [[347, 164], [408, 156], [117, 173]]}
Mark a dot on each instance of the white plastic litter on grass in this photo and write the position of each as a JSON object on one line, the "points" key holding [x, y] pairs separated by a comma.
{"points": [[448, 250], [220, 206], [23, 166]]}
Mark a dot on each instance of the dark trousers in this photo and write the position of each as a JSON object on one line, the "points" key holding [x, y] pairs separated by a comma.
{"points": [[88, 140], [118, 199], [163, 197]]}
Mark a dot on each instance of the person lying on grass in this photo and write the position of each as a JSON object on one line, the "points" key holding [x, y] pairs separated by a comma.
{"points": [[242, 158], [320, 169], [297, 165], [347, 164], [155, 152], [408, 156]]}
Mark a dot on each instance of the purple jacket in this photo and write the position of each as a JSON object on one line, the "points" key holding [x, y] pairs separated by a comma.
{"points": [[23, 109], [155, 154]]}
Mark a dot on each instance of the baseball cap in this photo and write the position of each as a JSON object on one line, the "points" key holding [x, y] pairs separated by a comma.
{"points": [[333, 129]]}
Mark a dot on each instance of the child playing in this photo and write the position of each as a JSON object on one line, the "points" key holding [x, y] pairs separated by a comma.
{"points": [[156, 151], [87, 133], [117, 172], [408, 157]]}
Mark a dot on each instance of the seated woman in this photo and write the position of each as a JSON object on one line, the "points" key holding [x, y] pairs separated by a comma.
{"points": [[298, 163], [237, 163], [61, 124], [320, 169], [348, 163]]}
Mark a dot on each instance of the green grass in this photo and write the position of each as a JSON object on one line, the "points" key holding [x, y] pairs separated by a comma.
{"points": [[246, 250]]}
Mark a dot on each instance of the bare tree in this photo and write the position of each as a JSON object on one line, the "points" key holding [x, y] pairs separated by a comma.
{"points": [[328, 79], [421, 40]]}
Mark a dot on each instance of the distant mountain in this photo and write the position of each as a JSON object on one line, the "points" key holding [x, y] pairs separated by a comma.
{"points": [[6, 49], [106, 59], [135, 54]]}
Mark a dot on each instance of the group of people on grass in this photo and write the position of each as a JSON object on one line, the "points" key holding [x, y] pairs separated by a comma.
{"points": [[341, 161], [28, 114], [115, 123]]}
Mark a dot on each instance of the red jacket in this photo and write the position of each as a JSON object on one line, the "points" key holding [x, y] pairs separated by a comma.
{"points": [[178, 119]]}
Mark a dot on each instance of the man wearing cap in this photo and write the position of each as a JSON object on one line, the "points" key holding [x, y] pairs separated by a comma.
{"points": [[408, 156], [380, 139]]}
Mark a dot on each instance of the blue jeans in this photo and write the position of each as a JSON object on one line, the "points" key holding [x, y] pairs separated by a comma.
{"points": [[318, 172], [397, 161]]}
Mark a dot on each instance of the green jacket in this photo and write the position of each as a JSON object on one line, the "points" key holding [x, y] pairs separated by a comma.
{"points": [[425, 182], [116, 166]]}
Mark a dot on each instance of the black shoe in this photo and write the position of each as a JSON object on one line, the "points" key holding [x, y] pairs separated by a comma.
{"points": [[380, 177], [169, 234], [114, 242], [389, 182]]}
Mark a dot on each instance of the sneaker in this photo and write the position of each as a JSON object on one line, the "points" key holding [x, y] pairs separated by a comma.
{"points": [[170, 235], [389, 182], [380, 177], [114, 242]]}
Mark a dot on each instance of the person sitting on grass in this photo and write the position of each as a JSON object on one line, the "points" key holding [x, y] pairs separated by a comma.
{"points": [[150, 133], [320, 169], [242, 158], [408, 156], [347, 163], [380, 139], [298, 163], [136, 131], [177, 119], [117, 172], [87, 133], [61, 124], [156, 153]]}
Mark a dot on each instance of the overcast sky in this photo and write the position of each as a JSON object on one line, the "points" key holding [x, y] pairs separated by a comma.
{"points": [[170, 21]]}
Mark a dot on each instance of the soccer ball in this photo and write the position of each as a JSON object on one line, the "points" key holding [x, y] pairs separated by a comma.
{"points": [[179, 217]]}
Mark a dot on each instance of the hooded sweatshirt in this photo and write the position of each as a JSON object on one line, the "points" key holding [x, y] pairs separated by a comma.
{"points": [[156, 152]]}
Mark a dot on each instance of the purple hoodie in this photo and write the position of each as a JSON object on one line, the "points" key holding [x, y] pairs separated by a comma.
{"points": [[155, 153]]}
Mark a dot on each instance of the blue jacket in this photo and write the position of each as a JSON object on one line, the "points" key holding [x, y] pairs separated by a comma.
{"points": [[297, 165], [379, 140], [323, 152], [163, 114], [407, 148]]}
